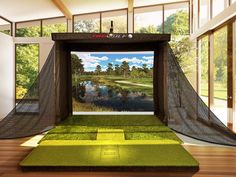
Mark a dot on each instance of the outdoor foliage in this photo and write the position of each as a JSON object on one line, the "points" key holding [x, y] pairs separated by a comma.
{"points": [[54, 28], [87, 26], [26, 67], [27, 57]]}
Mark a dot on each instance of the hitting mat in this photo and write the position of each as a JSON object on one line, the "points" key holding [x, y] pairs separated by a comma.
{"points": [[74, 154]]}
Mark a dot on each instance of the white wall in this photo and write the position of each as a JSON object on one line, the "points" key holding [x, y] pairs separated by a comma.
{"points": [[7, 75], [44, 50]]}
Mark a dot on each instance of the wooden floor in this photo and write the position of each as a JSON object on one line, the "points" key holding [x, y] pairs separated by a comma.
{"points": [[214, 162]]}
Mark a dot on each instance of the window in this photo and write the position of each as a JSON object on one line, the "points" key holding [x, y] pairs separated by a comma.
{"points": [[176, 18], [56, 25], [27, 62], [232, 1], [203, 68], [219, 106], [148, 19], [5, 26], [88, 23], [28, 29], [204, 15], [119, 19], [218, 6]]}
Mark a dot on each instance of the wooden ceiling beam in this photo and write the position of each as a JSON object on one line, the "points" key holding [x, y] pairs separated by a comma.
{"points": [[61, 6], [130, 5]]}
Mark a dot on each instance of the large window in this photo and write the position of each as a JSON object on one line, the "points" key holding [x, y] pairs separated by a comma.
{"points": [[204, 15], [28, 29], [203, 68], [148, 19], [27, 62], [88, 23], [56, 25], [176, 18], [119, 19], [5, 26], [218, 6], [219, 106]]}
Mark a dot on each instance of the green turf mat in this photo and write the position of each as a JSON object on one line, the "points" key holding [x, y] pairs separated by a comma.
{"points": [[110, 155], [91, 129], [136, 127], [112, 120], [70, 136]]}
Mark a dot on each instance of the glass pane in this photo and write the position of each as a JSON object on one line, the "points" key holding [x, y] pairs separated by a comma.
{"points": [[148, 20], [219, 106], [218, 6], [232, 1], [203, 68], [28, 29], [27, 62], [5, 27], [204, 11], [119, 19], [87, 23], [57, 25], [176, 19]]}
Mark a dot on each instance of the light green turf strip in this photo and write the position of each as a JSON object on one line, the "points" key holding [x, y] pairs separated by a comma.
{"points": [[110, 134], [104, 142], [111, 155]]}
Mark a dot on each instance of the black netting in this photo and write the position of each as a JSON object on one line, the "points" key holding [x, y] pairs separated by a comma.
{"points": [[188, 114], [35, 112]]}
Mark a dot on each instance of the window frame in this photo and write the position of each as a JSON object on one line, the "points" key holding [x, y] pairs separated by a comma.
{"points": [[163, 12], [11, 24], [100, 17], [41, 24]]}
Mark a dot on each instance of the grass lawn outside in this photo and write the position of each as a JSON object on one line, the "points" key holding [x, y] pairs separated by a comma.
{"points": [[220, 91], [111, 140]]}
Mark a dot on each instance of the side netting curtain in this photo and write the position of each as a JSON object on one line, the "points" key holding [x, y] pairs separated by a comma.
{"points": [[187, 113], [34, 116]]}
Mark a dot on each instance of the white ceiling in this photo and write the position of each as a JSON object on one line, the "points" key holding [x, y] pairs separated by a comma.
{"points": [[87, 6], [23, 10]]}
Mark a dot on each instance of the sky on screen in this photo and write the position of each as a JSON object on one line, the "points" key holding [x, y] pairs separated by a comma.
{"points": [[92, 59]]}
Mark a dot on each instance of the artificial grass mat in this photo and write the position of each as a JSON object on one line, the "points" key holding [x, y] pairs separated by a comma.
{"points": [[136, 127], [173, 155], [122, 140]]}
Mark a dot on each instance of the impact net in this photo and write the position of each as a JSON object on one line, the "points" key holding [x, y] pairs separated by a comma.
{"points": [[187, 113], [33, 116]]}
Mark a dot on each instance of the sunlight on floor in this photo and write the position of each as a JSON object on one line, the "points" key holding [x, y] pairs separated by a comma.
{"points": [[33, 142]]}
